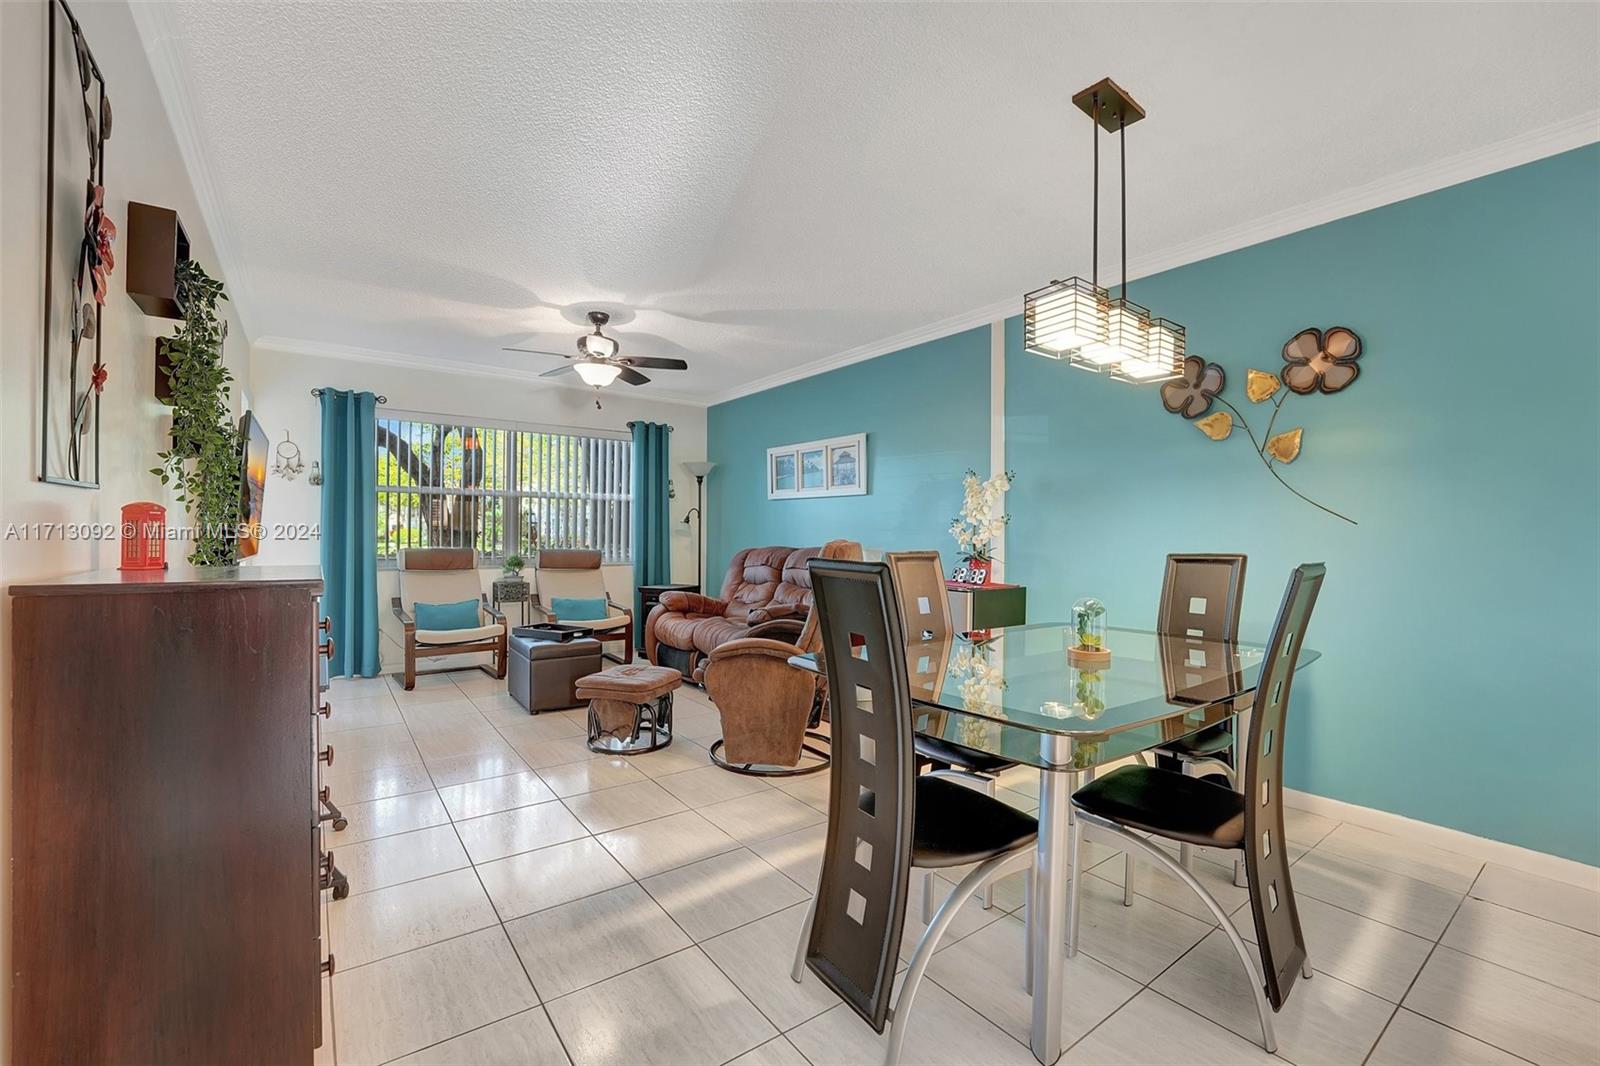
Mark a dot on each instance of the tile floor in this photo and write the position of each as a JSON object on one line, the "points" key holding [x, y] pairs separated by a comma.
{"points": [[517, 899]]}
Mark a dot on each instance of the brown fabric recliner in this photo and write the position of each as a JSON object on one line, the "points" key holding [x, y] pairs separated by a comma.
{"points": [[766, 592], [767, 705]]}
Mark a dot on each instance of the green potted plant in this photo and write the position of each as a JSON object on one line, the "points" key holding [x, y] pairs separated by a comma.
{"points": [[203, 462], [514, 565]]}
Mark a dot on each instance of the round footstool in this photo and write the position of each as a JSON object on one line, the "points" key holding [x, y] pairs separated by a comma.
{"points": [[630, 708]]}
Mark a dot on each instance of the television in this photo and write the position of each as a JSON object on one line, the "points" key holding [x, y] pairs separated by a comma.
{"points": [[252, 483]]}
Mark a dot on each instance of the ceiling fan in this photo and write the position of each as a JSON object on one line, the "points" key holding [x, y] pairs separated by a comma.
{"points": [[598, 362]]}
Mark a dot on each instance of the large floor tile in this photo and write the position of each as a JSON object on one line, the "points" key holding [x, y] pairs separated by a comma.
{"points": [[577, 944], [412, 1001], [375, 864], [625, 805], [590, 775], [526, 1039], [1324, 1020], [1515, 1013], [761, 815], [545, 753], [535, 880], [495, 836], [711, 784], [1152, 881], [1154, 1031], [374, 925], [536, 728], [1304, 828], [450, 770], [1412, 1040], [1374, 957], [365, 785], [1139, 941], [968, 920], [494, 794], [1541, 897], [666, 843], [360, 713], [676, 1010], [985, 971], [1400, 855], [1393, 899], [439, 711], [775, 1052], [470, 737], [811, 789], [1565, 957], [798, 855], [717, 894], [758, 957], [358, 687], [386, 817], [479, 684], [676, 758], [373, 749], [941, 1030]]}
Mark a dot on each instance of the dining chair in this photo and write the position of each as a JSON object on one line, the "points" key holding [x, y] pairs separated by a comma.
{"points": [[1200, 599], [925, 611], [1132, 801], [884, 819]]}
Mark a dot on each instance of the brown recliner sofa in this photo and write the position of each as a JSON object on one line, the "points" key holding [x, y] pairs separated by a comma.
{"points": [[766, 592]]}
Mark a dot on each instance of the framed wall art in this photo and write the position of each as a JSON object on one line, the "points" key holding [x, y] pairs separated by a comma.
{"points": [[836, 466]]}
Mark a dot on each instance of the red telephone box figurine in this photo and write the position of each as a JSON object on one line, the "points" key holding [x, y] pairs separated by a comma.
{"points": [[144, 537]]}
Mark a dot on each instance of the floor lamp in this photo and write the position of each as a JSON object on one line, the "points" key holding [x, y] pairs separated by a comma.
{"points": [[699, 470]]}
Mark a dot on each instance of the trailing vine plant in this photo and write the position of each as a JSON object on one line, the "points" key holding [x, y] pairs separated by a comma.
{"points": [[203, 462]]}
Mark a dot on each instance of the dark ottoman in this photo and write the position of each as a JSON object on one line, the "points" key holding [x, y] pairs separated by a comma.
{"points": [[630, 708], [543, 673]]}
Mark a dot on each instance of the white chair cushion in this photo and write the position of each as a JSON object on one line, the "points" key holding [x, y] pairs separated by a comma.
{"points": [[437, 586], [457, 636], [616, 621]]}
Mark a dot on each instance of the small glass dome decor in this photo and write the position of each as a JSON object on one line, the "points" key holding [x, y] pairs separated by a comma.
{"points": [[1088, 647]]}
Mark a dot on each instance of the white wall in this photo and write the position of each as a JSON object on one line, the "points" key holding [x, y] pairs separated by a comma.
{"points": [[142, 163], [280, 388]]}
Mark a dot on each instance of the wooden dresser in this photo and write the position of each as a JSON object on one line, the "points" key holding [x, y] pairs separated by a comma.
{"points": [[167, 871]]}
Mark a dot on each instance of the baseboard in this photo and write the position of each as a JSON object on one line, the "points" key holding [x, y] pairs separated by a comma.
{"points": [[1538, 863]]}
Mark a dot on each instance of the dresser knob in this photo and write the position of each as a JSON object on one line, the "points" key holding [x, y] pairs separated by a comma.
{"points": [[326, 625], [326, 755], [326, 710], [327, 965]]}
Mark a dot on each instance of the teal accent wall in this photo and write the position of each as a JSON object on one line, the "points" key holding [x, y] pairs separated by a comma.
{"points": [[925, 411], [1460, 683], [1460, 621]]}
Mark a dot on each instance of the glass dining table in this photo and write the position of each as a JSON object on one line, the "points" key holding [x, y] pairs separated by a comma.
{"points": [[1017, 694]]}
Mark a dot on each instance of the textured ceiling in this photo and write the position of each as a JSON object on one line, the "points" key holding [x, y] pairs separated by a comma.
{"points": [[761, 186]]}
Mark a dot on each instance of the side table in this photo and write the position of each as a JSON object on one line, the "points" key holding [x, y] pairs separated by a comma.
{"points": [[512, 590], [649, 596]]}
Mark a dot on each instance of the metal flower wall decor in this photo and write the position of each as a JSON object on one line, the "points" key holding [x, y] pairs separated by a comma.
{"points": [[1314, 361]]}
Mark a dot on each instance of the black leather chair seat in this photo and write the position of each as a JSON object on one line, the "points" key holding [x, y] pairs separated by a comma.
{"points": [[1185, 809], [943, 751], [1213, 741], [957, 825]]}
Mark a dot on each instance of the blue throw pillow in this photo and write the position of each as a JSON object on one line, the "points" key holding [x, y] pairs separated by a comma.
{"points": [[463, 615], [580, 610]]}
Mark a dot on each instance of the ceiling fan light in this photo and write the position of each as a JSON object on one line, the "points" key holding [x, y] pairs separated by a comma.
{"points": [[597, 346], [597, 374], [1063, 318]]}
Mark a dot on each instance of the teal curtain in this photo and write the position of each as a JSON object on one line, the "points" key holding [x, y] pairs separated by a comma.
{"points": [[350, 530], [652, 535]]}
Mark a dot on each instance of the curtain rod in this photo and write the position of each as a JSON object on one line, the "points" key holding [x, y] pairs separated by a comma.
{"points": [[318, 393], [637, 422]]}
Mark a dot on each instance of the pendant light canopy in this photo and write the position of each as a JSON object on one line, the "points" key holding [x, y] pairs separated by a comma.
{"points": [[1076, 320]]}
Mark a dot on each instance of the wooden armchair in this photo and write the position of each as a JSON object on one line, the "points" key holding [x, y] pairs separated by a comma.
{"points": [[575, 573], [446, 575]]}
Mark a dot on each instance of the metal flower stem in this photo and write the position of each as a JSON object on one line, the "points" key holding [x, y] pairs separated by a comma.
{"points": [[1261, 453]]}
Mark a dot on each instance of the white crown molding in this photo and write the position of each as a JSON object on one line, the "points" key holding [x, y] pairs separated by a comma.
{"points": [[350, 353], [154, 25], [1453, 170], [1538, 863]]}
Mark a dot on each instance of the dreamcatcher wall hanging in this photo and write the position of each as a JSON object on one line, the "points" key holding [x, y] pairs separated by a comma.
{"points": [[79, 241]]}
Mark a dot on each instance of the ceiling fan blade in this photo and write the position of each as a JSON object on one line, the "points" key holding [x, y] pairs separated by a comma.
{"points": [[539, 351], [654, 362], [632, 376], [562, 369]]}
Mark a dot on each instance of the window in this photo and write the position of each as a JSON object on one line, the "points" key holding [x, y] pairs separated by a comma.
{"points": [[500, 489]]}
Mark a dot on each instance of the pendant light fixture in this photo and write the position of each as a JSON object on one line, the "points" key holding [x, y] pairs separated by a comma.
{"points": [[1076, 320]]}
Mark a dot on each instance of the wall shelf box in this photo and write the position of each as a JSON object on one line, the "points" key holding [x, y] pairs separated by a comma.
{"points": [[157, 243]]}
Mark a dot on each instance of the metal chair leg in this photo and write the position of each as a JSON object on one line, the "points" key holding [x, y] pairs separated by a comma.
{"points": [[1257, 984], [1075, 840], [1027, 930], [1305, 968], [988, 887], [981, 875], [1128, 868], [927, 897], [799, 969]]}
